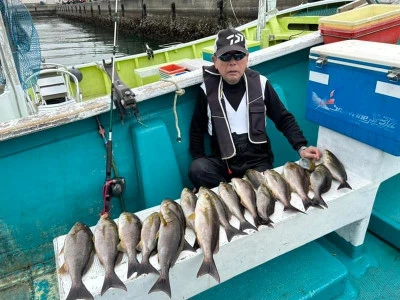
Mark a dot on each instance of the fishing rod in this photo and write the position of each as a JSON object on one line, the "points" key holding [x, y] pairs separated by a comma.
{"points": [[112, 186]]}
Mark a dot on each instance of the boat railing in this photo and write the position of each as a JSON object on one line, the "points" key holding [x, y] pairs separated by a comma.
{"points": [[54, 83]]}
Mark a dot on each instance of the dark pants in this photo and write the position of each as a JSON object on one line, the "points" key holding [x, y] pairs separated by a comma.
{"points": [[210, 171]]}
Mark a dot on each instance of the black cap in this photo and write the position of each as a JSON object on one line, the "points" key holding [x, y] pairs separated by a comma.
{"points": [[230, 40]]}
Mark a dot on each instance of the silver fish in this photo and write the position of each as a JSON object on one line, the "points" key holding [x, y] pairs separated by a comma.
{"points": [[265, 204], [148, 243], [336, 168], [298, 181], [247, 197], [256, 178], [232, 203], [129, 227], [177, 209], [106, 242], [222, 213], [188, 203], [169, 246], [207, 232], [279, 189], [321, 181], [78, 256]]}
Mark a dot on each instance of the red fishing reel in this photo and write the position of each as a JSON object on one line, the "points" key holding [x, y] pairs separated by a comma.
{"points": [[112, 188]]}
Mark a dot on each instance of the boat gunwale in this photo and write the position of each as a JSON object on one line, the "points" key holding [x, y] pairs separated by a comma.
{"points": [[80, 111]]}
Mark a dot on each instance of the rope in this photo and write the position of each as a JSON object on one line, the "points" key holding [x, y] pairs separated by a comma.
{"points": [[178, 92], [237, 21]]}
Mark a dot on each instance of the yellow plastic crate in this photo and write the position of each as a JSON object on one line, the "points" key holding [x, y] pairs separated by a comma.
{"points": [[363, 17]]}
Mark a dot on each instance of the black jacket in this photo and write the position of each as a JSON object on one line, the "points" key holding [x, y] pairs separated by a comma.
{"points": [[275, 110]]}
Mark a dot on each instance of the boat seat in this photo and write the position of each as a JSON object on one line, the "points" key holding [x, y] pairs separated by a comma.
{"points": [[52, 88]]}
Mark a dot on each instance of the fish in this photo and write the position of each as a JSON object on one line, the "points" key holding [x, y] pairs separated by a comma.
{"points": [[298, 180], [148, 243], [188, 204], [177, 209], [207, 232], [336, 168], [78, 257], [129, 228], [169, 246], [106, 241], [255, 177], [247, 197], [265, 204], [321, 182], [222, 213], [280, 189], [232, 203]]}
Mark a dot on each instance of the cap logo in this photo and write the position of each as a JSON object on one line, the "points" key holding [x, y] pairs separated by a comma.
{"points": [[235, 38]]}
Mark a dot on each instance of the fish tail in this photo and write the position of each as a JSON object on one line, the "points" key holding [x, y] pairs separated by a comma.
{"points": [[232, 231], [307, 202], [266, 221], [79, 291], [293, 208], [318, 201], [208, 267], [244, 224], [145, 267], [112, 280], [133, 266], [162, 285], [344, 185]]}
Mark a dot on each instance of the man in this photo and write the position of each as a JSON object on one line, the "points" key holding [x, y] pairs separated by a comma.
{"points": [[232, 104]]}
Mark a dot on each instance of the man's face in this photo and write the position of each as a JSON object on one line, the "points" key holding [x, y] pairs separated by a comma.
{"points": [[231, 65]]}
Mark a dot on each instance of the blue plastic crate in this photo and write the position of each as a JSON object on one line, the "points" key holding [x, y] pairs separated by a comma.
{"points": [[354, 89]]}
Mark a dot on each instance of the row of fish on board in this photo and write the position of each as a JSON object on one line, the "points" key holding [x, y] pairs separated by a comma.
{"points": [[164, 231]]}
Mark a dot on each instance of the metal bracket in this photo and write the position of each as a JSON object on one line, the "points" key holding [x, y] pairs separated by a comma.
{"points": [[320, 62], [393, 75]]}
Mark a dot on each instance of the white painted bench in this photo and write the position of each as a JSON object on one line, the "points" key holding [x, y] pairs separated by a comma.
{"points": [[348, 214]]}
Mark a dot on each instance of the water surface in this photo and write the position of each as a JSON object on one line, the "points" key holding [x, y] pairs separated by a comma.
{"points": [[70, 42]]}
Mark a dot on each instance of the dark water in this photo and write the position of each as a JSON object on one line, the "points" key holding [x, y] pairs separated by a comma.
{"points": [[70, 42]]}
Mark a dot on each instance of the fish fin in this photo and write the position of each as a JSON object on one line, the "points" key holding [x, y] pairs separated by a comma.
{"points": [[307, 202], [139, 246], [246, 225], [112, 280], [208, 267], [344, 185], [121, 246], [145, 267], [162, 285], [191, 216], [187, 246], [232, 231], [293, 208], [79, 291], [196, 244], [63, 269], [61, 251], [133, 266]]}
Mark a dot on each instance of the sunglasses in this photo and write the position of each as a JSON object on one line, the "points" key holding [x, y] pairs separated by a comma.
{"points": [[228, 56]]}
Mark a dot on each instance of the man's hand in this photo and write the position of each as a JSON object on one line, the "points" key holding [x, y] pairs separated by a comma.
{"points": [[311, 152]]}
